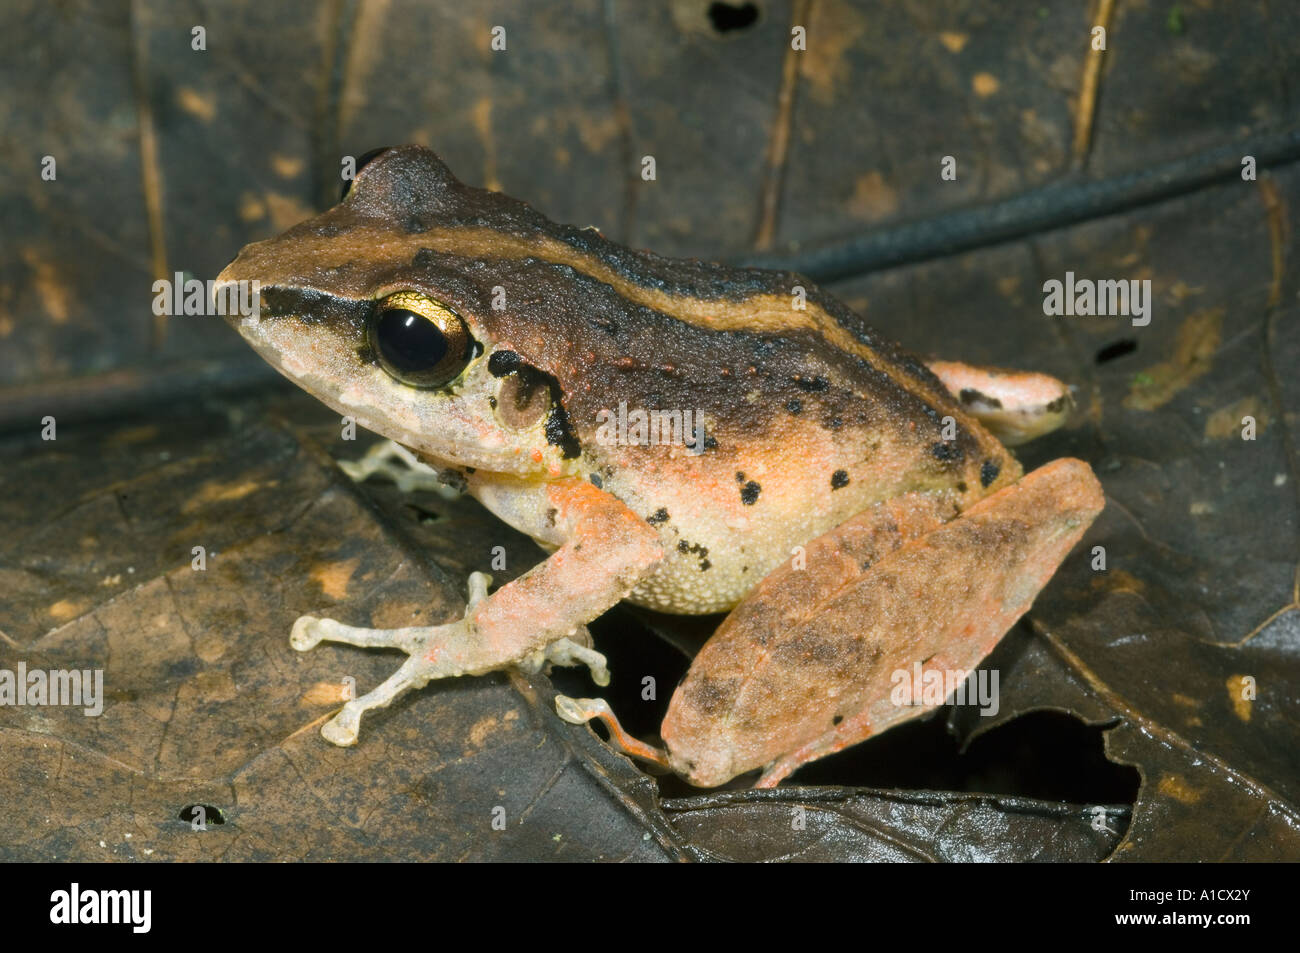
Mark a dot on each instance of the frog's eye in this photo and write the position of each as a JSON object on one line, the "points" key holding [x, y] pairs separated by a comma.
{"points": [[361, 164], [418, 341]]}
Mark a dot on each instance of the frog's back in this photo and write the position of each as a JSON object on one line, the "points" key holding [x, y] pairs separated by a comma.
{"points": [[806, 415]]}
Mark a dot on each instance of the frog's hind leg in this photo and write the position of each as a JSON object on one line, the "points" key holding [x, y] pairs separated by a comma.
{"points": [[700, 728], [1016, 406], [859, 727], [783, 682]]}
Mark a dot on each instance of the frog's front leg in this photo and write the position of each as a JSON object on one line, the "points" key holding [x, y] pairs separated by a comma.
{"points": [[603, 551], [808, 666]]}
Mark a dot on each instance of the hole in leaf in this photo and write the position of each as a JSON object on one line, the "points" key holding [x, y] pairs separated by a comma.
{"points": [[1046, 755], [727, 17], [1116, 349], [209, 814]]}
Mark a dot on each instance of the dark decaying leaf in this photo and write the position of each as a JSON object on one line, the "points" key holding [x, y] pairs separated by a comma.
{"points": [[207, 703], [812, 824]]}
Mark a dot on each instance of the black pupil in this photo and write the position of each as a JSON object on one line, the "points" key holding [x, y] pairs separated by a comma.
{"points": [[410, 342]]}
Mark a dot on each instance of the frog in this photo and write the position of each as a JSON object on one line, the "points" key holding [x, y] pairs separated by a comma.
{"points": [[856, 510]]}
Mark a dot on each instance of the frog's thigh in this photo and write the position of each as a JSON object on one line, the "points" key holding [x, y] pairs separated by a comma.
{"points": [[783, 687]]}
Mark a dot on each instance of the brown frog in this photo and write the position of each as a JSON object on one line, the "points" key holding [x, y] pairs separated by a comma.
{"points": [[687, 436]]}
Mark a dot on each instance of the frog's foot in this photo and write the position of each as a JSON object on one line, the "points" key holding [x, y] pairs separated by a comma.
{"points": [[570, 652], [579, 711], [436, 651], [409, 472], [1016, 406]]}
